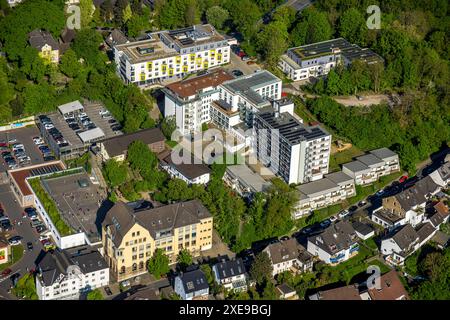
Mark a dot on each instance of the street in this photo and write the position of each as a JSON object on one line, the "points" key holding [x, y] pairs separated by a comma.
{"points": [[28, 234]]}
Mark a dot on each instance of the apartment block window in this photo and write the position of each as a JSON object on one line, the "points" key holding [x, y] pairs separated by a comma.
{"points": [[133, 234], [134, 257]]}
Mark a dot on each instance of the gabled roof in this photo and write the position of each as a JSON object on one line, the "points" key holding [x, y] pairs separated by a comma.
{"points": [[121, 218], [350, 292], [194, 281], [336, 237], [286, 251], [38, 39], [116, 146], [405, 236], [192, 170], [425, 231], [230, 268], [391, 288]]}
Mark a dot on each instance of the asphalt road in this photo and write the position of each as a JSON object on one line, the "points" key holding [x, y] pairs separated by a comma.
{"points": [[14, 211]]}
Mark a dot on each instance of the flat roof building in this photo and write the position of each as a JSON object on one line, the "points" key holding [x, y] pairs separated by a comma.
{"points": [[244, 181], [170, 55], [295, 152], [18, 177], [317, 59]]}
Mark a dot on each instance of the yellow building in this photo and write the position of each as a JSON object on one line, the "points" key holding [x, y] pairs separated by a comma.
{"points": [[47, 46], [130, 238]]}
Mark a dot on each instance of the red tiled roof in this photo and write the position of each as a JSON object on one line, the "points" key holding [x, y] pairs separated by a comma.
{"points": [[20, 175], [190, 87], [391, 288]]}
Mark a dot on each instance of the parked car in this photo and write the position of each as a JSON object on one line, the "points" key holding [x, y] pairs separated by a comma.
{"points": [[30, 246], [306, 230], [108, 291], [245, 58], [333, 218], [362, 203], [403, 179], [380, 193], [284, 238], [30, 212], [353, 208], [237, 73], [14, 241], [6, 272], [325, 223], [343, 214]]}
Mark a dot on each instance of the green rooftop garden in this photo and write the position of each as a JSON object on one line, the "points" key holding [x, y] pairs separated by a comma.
{"points": [[50, 206]]}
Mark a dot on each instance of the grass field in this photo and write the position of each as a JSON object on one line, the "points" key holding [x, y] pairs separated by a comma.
{"points": [[343, 157]]}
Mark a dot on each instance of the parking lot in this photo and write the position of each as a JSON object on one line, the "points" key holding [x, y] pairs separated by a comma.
{"points": [[236, 63], [24, 136]]}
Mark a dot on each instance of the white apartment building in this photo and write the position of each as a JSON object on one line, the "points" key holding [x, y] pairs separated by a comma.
{"points": [[169, 55], [369, 168], [333, 188], [189, 101], [64, 275], [317, 59], [295, 152]]}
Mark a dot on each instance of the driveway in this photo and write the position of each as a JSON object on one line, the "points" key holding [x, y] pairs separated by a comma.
{"points": [[237, 63]]}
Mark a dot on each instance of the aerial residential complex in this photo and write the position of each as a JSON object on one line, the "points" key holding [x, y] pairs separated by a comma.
{"points": [[189, 101], [295, 152], [170, 55], [319, 58]]}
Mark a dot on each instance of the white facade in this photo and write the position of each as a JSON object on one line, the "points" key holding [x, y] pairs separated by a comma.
{"points": [[168, 58], [197, 295], [335, 258], [175, 174], [190, 114], [237, 283], [69, 286]]}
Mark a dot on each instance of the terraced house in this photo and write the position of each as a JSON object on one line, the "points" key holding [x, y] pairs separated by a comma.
{"points": [[370, 167], [170, 55], [333, 188], [131, 237]]}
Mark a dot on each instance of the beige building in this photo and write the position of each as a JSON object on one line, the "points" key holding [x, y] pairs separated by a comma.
{"points": [[130, 238]]}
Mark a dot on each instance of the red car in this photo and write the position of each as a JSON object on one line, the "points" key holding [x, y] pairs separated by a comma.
{"points": [[403, 179], [6, 272]]}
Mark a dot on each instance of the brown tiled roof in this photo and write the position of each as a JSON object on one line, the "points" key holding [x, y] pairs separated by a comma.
{"points": [[391, 288], [349, 292], [441, 208], [118, 145], [190, 87], [20, 175], [285, 251]]}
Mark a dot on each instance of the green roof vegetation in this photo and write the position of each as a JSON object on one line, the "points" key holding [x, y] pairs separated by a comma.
{"points": [[50, 206]]}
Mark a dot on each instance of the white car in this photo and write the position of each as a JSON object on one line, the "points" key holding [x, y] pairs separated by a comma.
{"points": [[38, 141], [343, 214], [49, 126], [333, 218], [82, 115]]}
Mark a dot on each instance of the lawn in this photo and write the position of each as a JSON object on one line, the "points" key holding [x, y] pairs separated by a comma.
{"points": [[26, 288], [345, 156], [17, 254], [346, 271], [301, 110], [171, 143]]}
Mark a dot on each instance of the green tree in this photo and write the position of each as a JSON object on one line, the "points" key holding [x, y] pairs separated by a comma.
{"points": [[352, 26], [168, 126], [115, 173], [86, 10], [158, 264], [127, 14], [86, 45], [261, 269], [95, 295], [141, 158], [217, 16], [70, 65], [184, 259], [313, 26], [273, 41]]}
